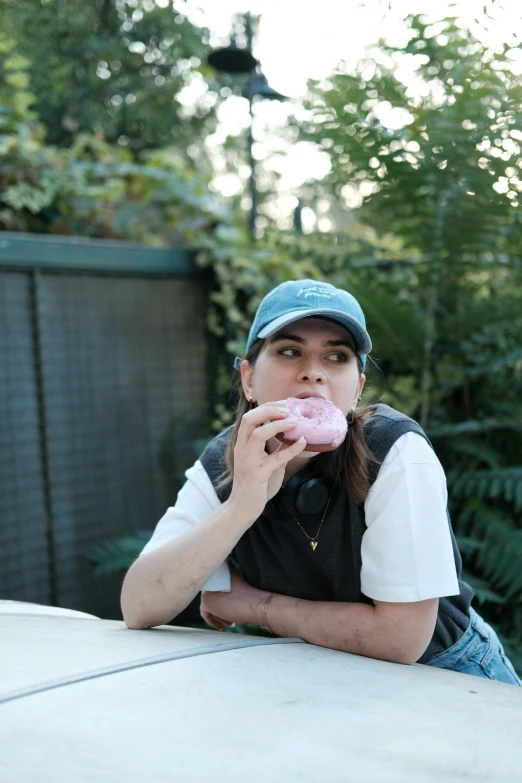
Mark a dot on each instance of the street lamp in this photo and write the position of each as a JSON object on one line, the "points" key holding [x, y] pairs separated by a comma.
{"points": [[232, 59]]}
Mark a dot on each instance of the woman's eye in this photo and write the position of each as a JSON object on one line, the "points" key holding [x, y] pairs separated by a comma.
{"points": [[289, 351], [339, 356]]}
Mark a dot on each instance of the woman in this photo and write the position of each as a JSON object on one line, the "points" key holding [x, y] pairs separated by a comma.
{"points": [[351, 549]]}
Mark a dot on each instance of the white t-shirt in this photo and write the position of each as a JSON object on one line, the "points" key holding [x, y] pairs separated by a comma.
{"points": [[406, 550]]}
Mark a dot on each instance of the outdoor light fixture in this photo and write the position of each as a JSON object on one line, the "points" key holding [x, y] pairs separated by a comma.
{"points": [[258, 85], [232, 59]]}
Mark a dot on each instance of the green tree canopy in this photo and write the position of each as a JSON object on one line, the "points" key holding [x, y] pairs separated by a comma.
{"points": [[92, 187], [115, 66], [427, 137]]}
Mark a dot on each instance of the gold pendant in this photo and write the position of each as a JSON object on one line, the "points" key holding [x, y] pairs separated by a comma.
{"points": [[313, 544]]}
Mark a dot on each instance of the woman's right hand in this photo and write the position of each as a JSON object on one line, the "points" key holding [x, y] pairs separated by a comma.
{"points": [[258, 475]]}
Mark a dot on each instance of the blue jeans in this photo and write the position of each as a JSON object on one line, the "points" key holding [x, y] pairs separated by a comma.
{"points": [[478, 652]]}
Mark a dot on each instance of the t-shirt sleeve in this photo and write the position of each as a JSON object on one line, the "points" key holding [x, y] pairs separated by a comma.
{"points": [[407, 554], [196, 500]]}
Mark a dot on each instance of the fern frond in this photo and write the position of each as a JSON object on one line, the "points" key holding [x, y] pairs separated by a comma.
{"points": [[500, 557], [513, 359], [472, 426], [482, 451], [505, 483], [468, 545], [483, 591], [483, 313], [118, 554]]}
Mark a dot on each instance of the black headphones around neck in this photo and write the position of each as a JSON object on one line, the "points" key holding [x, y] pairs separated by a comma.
{"points": [[305, 493]]}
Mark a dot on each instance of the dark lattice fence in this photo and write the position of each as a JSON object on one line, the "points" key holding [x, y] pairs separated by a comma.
{"points": [[102, 393]]}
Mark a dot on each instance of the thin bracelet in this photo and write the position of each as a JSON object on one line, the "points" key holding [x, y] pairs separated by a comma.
{"points": [[264, 624]]}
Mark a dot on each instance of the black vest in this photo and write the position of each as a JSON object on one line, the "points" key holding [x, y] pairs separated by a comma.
{"points": [[275, 555]]}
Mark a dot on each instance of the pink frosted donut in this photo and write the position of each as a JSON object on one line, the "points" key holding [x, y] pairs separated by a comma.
{"points": [[319, 421]]}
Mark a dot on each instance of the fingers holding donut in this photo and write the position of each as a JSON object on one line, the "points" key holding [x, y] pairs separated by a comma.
{"points": [[261, 416], [252, 451], [271, 429], [258, 475], [287, 450]]}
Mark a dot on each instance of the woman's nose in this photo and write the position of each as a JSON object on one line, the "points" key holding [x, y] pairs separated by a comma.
{"points": [[312, 373]]}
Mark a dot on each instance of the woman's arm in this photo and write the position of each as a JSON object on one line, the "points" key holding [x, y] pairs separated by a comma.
{"points": [[398, 632], [161, 583]]}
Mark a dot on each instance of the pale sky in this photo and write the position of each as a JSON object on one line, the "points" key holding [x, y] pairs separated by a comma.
{"points": [[298, 40]]}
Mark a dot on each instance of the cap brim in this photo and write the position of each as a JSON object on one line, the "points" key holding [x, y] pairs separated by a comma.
{"points": [[363, 344]]}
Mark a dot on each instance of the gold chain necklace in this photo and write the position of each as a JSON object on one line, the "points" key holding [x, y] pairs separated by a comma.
{"points": [[313, 539]]}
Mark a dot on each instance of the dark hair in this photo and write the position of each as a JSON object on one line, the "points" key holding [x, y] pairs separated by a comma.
{"points": [[349, 464]]}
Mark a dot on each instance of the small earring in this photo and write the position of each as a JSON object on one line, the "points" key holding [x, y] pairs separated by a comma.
{"points": [[351, 418]]}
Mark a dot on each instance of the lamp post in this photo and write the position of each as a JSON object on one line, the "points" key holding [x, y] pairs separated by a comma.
{"points": [[232, 59]]}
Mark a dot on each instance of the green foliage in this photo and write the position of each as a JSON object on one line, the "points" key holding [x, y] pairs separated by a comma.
{"points": [[432, 177], [146, 188], [94, 189], [483, 592], [16, 95], [497, 546], [115, 68], [503, 483], [117, 555]]}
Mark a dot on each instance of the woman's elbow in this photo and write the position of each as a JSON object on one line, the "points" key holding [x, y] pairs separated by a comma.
{"points": [[132, 617], [137, 615], [134, 624], [405, 653], [137, 620], [407, 658], [411, 654]]}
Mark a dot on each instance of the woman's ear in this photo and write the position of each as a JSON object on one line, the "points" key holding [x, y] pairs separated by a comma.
{"points": [[246, 378], [362, 381]]}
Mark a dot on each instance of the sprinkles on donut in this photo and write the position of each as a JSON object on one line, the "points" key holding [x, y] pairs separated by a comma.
{"points": [[319, 421]]}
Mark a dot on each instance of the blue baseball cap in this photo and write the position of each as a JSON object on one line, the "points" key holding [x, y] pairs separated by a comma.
{"points": [[298, 299]]}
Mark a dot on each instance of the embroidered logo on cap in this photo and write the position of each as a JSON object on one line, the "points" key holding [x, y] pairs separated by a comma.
{"points": [[326, 293]]}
